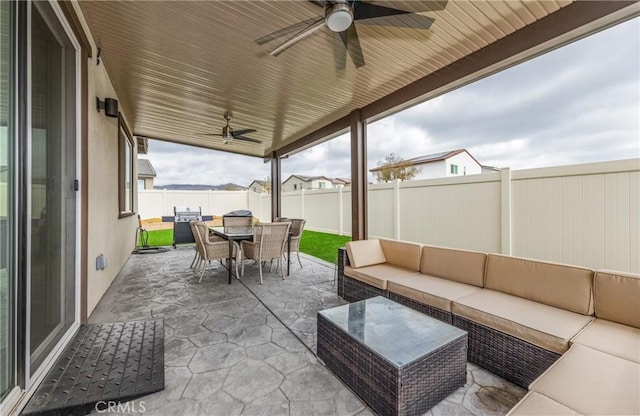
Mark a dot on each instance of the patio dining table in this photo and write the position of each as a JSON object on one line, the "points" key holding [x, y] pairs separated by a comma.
{"points": [[233, 234]]}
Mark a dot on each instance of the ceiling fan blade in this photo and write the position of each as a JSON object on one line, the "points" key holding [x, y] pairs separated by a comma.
{"points": [[247, 139], [286, 31], [411, 21], [210, 134], [363, 11], [312, 28], [339, 52], [416, 6], [243, 131], [352, 43], [318, 3]]}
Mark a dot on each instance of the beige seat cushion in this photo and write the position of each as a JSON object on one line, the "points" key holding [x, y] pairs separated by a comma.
{"points": [[535, 404], [592, 383], [620, 340], [402, 253], [431, 290], [363, 253], [542, 325], [617, 297], [377, 275], [459, 265], [559, 285]]}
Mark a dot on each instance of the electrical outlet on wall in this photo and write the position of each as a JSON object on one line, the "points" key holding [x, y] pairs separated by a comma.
{"points": [[101, 262]]}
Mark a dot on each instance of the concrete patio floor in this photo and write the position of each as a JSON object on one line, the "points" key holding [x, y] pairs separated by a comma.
{"points": [[249, 349]]}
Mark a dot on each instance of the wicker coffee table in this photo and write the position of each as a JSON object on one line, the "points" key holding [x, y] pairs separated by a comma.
{"points": [[398, 360]]}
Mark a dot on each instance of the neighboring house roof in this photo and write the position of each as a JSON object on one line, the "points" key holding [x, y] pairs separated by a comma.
{"points": [[434, 157], [261, 183], [304, 178], [145, 169], [343, 181]]}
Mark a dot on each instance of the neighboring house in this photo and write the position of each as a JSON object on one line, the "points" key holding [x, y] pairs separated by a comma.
{"points": [[258, 186], [299, 182], [453, 163], [340, 182], [146, 174]]}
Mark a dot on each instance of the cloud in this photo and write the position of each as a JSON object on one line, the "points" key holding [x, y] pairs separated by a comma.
{"points": [[577, 104]]}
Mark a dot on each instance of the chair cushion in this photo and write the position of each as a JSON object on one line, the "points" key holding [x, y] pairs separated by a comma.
{"points": [[460, 265], [535, 404], [539, 324], [616, 339], [402, 253], [559, 285], [431, 290], [364, 253], [592, 383], [617, 297], [378, 274]]}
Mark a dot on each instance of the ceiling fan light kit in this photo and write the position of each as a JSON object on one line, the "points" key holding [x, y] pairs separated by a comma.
{"points": [[339, 17]]}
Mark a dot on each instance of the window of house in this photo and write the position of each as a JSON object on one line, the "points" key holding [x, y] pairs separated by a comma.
{"points": [[141, 184], [125, 170], [322, 185], [454, 169], [295, 186]]}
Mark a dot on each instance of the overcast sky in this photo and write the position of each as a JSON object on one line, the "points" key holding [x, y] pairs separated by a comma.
{"points": [[578, 104]]}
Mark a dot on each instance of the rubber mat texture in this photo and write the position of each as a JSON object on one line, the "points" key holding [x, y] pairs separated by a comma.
{"points": [[105, 363]]}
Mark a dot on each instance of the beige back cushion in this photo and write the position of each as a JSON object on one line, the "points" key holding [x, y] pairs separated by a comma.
{"points": [[402, 254], [617, 297], [365, 253], [559, 285], [460, 265]]}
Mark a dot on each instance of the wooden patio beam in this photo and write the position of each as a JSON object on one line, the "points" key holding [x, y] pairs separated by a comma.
{"points": [[358, 176]]}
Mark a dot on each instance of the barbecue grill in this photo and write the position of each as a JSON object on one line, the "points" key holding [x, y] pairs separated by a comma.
{"points": [[181, 230]]}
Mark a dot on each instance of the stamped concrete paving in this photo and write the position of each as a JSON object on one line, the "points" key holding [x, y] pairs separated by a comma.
{"points": [[247, 348]]}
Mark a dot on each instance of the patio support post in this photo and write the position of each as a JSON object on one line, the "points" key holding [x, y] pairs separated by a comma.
{"points": [[505, 191], [276, 181], [358, 176]]}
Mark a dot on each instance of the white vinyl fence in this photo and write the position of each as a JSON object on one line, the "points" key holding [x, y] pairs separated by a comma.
{"points": [[586, 215]]}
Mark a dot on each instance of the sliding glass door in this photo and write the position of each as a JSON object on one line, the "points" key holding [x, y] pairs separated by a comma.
{"points": [[52, 174], [38, 225], [7, 223]]}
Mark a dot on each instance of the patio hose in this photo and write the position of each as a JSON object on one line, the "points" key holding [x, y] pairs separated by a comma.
{"points": [[142, 236]]}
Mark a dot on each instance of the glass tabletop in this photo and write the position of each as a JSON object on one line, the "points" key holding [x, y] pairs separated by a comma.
{"points": [[397, 333]]}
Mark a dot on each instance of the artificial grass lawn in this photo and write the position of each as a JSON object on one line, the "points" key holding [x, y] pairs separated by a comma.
{"points": [[322, 245], [158, 238]]}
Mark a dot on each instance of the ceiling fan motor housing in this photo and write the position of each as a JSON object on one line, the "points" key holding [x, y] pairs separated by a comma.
{"points": [[227, 132]]}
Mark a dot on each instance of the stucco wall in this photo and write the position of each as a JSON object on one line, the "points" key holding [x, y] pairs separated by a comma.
{"points": [[108, 234]]}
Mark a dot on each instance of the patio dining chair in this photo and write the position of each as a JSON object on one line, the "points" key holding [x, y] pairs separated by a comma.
{"points": [[269, 242], [212, 238], [297, 226], [237, 221], [210, 250]]}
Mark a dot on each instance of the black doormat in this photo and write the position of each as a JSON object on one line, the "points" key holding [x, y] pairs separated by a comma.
{"points": [[104, 365]]}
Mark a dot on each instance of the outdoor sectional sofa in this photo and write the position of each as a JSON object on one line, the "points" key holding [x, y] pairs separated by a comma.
{"points": [[571, 335]]}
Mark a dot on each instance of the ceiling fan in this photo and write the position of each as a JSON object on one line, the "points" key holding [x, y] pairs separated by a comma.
{"points": [[340, 15], [228, 134]]}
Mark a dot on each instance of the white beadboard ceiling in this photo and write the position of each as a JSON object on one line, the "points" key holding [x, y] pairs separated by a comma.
{"points": [[178, 66]]}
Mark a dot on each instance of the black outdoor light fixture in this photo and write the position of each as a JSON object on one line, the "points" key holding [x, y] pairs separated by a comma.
{"points": [[109, 105]]}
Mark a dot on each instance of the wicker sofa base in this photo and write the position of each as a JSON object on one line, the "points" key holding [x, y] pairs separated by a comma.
{"points": [[389, 390], [432, 311], [355, 290], [504, 355]]}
